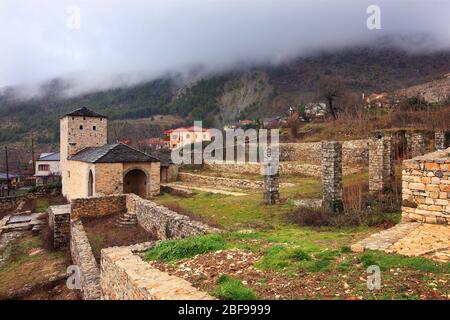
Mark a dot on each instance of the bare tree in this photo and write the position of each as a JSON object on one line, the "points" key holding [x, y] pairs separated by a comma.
{"points": [[331, 89]]}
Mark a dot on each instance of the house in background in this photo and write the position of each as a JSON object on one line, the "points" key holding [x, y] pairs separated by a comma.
{"points": [[13, 182], [47, 169], [181, 136], [154, 143]]}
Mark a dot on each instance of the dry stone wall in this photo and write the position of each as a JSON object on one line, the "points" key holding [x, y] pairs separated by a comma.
{"points": [[426, 188], [59, 223], [353, 152], [98, 206], [332, 175], [163, 222], [125, 276], [381, 162], [83, 257]]}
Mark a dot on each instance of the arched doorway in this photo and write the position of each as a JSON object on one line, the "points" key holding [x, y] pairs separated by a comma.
{"points": [[135, 181], [90, 184]]}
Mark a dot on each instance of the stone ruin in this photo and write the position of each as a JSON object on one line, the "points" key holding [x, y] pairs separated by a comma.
{"points": [[426, 188], [415, 144], [381, 162], [332, 175]]}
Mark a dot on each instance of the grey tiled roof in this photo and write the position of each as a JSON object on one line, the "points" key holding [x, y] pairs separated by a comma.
{"points": [[112, 153], [85, 112], [50, 157]]}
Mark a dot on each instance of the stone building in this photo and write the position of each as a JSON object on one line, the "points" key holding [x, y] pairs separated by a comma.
{"points": [[91, 167]]}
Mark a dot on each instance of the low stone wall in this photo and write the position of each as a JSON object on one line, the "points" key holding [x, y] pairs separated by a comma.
{"points": [[220, 181], [353, 151], [287, 168], [180, 192], [163, 222], [125, 276], [83, 257], [98, 206], [11, 202], [59, 224], [426, 188]]}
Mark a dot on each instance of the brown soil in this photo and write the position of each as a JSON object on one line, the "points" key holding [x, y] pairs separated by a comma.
{"points": [[203, 272], [103, 232], [56, 292]]}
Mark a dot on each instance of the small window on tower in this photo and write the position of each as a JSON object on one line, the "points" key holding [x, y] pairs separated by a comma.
{"points": [[84, 118], [81, 127], [94, 128]]}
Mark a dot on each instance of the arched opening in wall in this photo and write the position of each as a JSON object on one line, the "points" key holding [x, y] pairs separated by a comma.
{"points": [[135, 181], [90, 184]]}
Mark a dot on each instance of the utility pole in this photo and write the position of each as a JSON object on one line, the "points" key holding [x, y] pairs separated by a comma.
{"points": [[32, 155], [7, 170]]}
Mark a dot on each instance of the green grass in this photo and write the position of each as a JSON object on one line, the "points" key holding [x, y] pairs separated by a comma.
{"points": [[20, 269], [229, 288], [172, 250], [293, 259], [247, 211], [387, 261], [41, 205]]}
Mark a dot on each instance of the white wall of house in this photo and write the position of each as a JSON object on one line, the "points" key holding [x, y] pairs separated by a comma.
{"points": [[47, 168]]}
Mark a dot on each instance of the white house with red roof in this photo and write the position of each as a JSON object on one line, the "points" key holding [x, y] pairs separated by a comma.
{"points": [[186, 135]]}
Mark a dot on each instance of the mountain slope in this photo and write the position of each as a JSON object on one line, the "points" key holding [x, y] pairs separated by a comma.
{"points": [[257, 91]]}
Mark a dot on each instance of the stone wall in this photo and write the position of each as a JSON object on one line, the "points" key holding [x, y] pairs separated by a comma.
{"points": [[163, 222], [221, 181], [332, 175], [180, 192], [271, 188], [125, 276], [286, 168], [59, 224], [415, 144], [439, 140], [83, 257], [353, 152], [381, 162], [12, 202], [98, 206], [426, 188]]}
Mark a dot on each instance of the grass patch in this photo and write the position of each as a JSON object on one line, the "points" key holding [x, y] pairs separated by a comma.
{"points": [[387, 261], [41, 205], [172, 250], [229, 288], [21, 269]]}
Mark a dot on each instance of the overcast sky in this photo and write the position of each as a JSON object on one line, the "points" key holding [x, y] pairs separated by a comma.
{"points": [[132, 40]]}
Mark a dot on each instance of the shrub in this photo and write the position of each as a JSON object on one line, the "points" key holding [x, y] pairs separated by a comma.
{"points": [[229, 288], [172, 250]]}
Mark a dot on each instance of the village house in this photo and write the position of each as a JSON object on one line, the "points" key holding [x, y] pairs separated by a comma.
{"points": [[47, 169], [181, 136], [154, 143], [92, 167]]}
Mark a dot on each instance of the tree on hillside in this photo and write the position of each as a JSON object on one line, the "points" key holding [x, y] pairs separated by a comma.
{"points": [[331, 89]]}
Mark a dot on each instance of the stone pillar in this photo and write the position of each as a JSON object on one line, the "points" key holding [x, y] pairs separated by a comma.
{"points": [[332, 175], [416, 144], [271, 187], [381, 162], [59, 224], [439, 140]]}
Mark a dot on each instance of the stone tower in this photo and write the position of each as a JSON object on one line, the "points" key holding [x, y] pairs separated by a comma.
{"points": [[79, 129]]}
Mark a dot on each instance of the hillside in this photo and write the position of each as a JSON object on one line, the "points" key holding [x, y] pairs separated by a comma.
{"points": [[257, 91]]}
